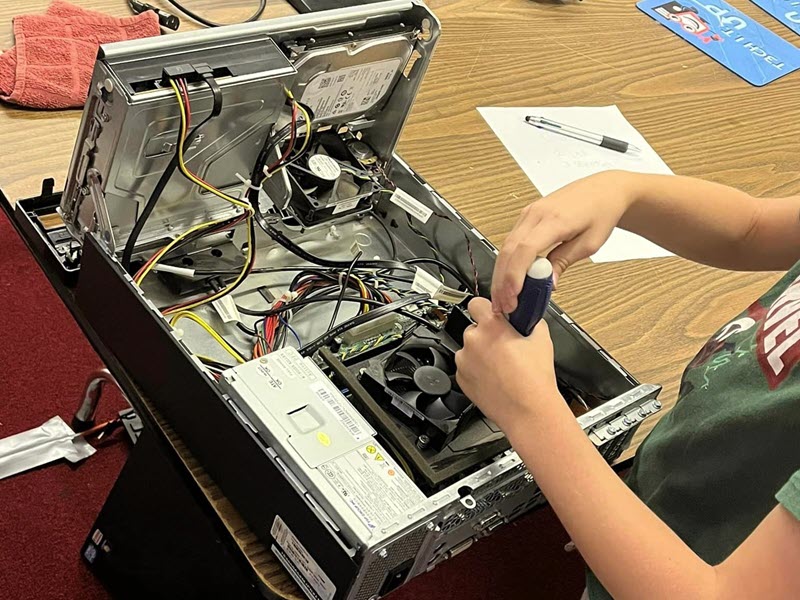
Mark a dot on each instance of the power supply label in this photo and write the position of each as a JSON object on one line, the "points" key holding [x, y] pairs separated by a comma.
{"points": [[343, 412], [350, 90], [372, 484], [302, 562]]}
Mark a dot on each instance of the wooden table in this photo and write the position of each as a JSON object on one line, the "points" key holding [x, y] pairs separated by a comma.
{"points": [[704, 121], [651, 315]]}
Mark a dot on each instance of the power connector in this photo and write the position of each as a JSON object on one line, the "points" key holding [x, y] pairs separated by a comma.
{"points": [[165, 19]]}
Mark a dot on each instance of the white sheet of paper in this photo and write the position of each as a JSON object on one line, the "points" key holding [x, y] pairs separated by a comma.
{"points": [[551, 160]]}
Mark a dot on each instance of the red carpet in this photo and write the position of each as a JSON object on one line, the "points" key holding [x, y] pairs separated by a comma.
{"points": [[47, 513]]}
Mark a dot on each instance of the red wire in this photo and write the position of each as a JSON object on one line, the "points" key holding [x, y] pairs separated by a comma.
{"points": [[187, 104]]}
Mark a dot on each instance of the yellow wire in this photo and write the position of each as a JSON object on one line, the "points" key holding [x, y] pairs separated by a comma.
{"points": [[307, 119], [182, 164], [173, 243], [364, 293], [245, 205], [306, 138], [236, 282], [185, 314]]}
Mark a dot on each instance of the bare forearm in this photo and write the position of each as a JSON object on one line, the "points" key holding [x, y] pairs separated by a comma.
{"points": [[630, 549], [712, 223]]}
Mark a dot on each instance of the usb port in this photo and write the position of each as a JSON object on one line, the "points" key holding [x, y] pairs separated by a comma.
{"points": [[490, 523]]}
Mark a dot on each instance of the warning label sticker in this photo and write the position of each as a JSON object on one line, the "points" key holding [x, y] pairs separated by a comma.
{"points": [[372, 484], [350, 90], [304, 564]]}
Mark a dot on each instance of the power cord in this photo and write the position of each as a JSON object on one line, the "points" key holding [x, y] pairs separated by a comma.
{"points": [[165, 19], [172, 22], [262, 4]]}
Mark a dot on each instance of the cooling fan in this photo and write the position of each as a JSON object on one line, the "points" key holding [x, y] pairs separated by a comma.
{"points": [[419, 381], [328, 183]]}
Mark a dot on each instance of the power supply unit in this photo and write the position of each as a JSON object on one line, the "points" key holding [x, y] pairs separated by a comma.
{"points": [[289, 294]]}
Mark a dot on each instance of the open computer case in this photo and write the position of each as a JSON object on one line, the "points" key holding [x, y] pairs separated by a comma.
{"points": [[254, 165]]}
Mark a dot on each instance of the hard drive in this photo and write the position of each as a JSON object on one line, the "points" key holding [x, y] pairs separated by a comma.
{"points": [[289, 293]]}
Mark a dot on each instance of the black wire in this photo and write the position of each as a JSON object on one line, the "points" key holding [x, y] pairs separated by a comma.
{"points": [[262, 5], [127, 253], [214, 363], [389, 236], [345, 283], [246, 329], [284, 241], [386, 309], [257, 176]]}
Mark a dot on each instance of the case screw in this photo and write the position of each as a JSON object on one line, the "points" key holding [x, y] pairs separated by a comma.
{"points": [[383, 553], [656, 404], [423, 441]]}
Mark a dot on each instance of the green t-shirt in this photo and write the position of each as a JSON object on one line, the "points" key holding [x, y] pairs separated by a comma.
{"points": [[715, 464]]}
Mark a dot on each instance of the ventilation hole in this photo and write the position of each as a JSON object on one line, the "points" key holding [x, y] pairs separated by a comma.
{"points": [[186, 261], [216, 252]]}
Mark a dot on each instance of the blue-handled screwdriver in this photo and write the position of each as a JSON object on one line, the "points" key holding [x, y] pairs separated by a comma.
{"points": [[534, 298]]}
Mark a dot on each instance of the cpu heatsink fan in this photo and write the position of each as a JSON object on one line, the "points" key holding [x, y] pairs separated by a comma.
{"points": [[418, 379]]}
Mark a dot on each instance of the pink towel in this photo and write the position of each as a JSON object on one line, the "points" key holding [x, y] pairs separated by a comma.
{"points": [[51, 65]]}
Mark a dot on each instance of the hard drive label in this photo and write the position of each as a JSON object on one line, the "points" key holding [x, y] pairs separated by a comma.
{"points": [[372, 484], [304, 564], [350, 90]]}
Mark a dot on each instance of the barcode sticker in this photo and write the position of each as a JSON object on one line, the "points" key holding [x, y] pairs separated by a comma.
{"points": [[226, 307], [344, 414], [305, 567], [411, 205], [450, 295], [345, 206], [425, 283]]}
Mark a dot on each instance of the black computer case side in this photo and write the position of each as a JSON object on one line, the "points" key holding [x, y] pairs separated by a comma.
{"points": [[228, 450]]}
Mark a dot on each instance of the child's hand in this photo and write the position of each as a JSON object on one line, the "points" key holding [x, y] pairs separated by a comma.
{"points": [[508, 376], [577, 220]]}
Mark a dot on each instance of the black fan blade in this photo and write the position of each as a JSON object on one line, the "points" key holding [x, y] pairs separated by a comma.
{"points": [[457, 403], [393, 376], [438, 410], [406, 356], [439, 361], [411, 398]]}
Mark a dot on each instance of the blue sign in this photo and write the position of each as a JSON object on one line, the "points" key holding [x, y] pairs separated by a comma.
{"points": [[728, 36], [786, 11]]}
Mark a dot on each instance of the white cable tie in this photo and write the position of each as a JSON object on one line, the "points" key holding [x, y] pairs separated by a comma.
{"points": [[247, 183], [182, 271]]}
